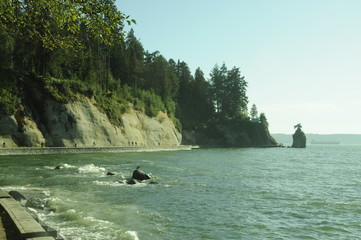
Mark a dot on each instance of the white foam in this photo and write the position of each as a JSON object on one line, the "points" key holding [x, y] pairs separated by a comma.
{"points": [[65, 165], [91, 168], [132, 234], [103, 183]]}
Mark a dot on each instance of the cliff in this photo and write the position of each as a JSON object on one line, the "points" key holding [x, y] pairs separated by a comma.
{"points": [[230, 133], [80, 123]]}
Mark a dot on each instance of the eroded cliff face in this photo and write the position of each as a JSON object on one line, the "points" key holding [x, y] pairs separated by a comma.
{"points": [[80, 123]]}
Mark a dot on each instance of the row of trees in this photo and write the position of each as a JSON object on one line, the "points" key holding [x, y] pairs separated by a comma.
{"points": [[84, 42]]}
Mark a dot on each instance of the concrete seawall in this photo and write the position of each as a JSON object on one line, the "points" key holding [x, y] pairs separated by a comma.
{"points": [[62, 150], [17, 223]]}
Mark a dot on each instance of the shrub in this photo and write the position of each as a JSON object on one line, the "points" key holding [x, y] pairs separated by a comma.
{"points": [[177, 124], [150, 102], [9, 102], [112, 107], [66, 90]]}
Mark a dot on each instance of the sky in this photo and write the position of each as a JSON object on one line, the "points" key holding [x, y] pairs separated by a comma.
{"points": [[301, 59]]}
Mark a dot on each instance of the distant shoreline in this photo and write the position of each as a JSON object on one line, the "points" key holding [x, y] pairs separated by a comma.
{"points": [[64, 150]]}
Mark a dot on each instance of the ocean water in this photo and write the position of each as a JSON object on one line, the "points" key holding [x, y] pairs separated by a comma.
{"points": [[272, 193]]}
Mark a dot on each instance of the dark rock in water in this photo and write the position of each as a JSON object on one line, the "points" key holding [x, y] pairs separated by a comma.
{"points": [[58, 167], [140, 175], [132, 181], [299, 138], [17, 196], [35, 203], [110, 174], [152, 182]]}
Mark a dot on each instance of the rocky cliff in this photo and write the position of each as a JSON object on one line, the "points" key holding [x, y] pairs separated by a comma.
{"points": [[81, 124], [299, 139], [231, 133]]}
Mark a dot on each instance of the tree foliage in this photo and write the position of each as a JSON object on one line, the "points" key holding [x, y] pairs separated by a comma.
{"points": [[229, 91], [59, 23], [71, 48], [254, 112]]}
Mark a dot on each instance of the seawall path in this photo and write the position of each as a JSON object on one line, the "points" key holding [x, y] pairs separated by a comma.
{"points": [[63, 150]]}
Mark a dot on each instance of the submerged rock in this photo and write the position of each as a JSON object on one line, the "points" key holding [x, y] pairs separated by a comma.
{"points": [[132, 181]]}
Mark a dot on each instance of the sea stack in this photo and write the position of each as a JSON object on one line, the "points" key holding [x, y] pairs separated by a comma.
{"points": [[299, 137]]}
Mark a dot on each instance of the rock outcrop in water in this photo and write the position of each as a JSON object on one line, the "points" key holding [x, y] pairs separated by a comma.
{"points": [[140, 175], [299, 138], [81, 124]]}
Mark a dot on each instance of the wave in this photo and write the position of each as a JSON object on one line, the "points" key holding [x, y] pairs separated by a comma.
{"points": [[104, 183], [91, 168], [132, 234]]}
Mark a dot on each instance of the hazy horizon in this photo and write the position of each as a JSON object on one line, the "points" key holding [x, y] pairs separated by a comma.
{"points": [[301, 59]]}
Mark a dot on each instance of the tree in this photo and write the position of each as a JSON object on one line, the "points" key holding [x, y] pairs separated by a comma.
{"points": [[218, 78], [160, 76], [234, 99], [229, 91], [298, 126], [263, 120], [201, 107], [254, 112], [63, 38], [135, 60], [59, 23], [185, 94]]}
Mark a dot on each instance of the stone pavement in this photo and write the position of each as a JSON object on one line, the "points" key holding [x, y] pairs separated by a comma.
{"points": [[2, 230], [23, 224]]}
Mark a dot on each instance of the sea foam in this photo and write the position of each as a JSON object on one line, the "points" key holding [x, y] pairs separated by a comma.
{"points": [[91, 168], [132, 234]]}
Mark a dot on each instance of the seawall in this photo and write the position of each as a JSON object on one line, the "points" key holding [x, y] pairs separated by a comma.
{"points": [[64, 150], [17, 223]]}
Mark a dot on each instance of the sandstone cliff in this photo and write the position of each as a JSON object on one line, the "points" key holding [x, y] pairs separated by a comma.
{"points": [[80, 123]]}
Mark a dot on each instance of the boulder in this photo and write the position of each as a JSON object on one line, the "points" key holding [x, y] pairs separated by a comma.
{"points": [[140, 175], [17, 195]]}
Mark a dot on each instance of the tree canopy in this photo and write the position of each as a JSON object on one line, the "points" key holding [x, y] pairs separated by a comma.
{"points": [[63, 23], [71, 47]]}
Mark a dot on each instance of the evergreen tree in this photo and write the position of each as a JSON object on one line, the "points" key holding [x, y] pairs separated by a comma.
{"points": [[202, 106], [263, 120], [135, 60], [218, 78], [229, 91], [160, 76], [184, 97], [254, 112]]}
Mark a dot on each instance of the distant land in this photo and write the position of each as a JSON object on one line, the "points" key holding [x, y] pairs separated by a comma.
{"points": [[286, 139]]}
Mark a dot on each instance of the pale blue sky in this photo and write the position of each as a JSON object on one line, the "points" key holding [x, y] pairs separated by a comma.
{"points": [[301, 58]]}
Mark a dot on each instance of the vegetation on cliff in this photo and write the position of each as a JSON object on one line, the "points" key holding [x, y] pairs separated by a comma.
{"points": [[69, 49]]}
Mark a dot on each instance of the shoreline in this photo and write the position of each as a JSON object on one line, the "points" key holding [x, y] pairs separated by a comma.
{"points": [[73, 150]]}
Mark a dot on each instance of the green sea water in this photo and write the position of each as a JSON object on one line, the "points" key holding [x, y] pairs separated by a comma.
{"points": [[273, 193]]}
